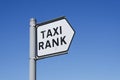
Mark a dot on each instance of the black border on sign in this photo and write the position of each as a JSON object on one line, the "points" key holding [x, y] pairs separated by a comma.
{"points": [[50, 21], [57, 53]]}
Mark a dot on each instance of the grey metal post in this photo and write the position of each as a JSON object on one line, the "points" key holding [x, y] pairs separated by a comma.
{"points": [[32, 61]]}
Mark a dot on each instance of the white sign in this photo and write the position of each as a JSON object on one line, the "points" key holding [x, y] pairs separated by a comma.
{"points": [[54, 37]]}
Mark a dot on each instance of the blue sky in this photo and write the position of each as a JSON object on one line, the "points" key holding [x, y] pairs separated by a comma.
{"points": [[95, 50]]}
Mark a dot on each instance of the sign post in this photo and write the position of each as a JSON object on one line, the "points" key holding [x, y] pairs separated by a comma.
{"points": [[50, 38], [33, 48]]}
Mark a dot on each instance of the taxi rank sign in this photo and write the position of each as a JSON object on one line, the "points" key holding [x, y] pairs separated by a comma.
{"points": [[54, 37]]}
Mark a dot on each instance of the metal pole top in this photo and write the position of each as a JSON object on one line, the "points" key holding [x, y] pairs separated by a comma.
{"points": [[32, 22]]}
